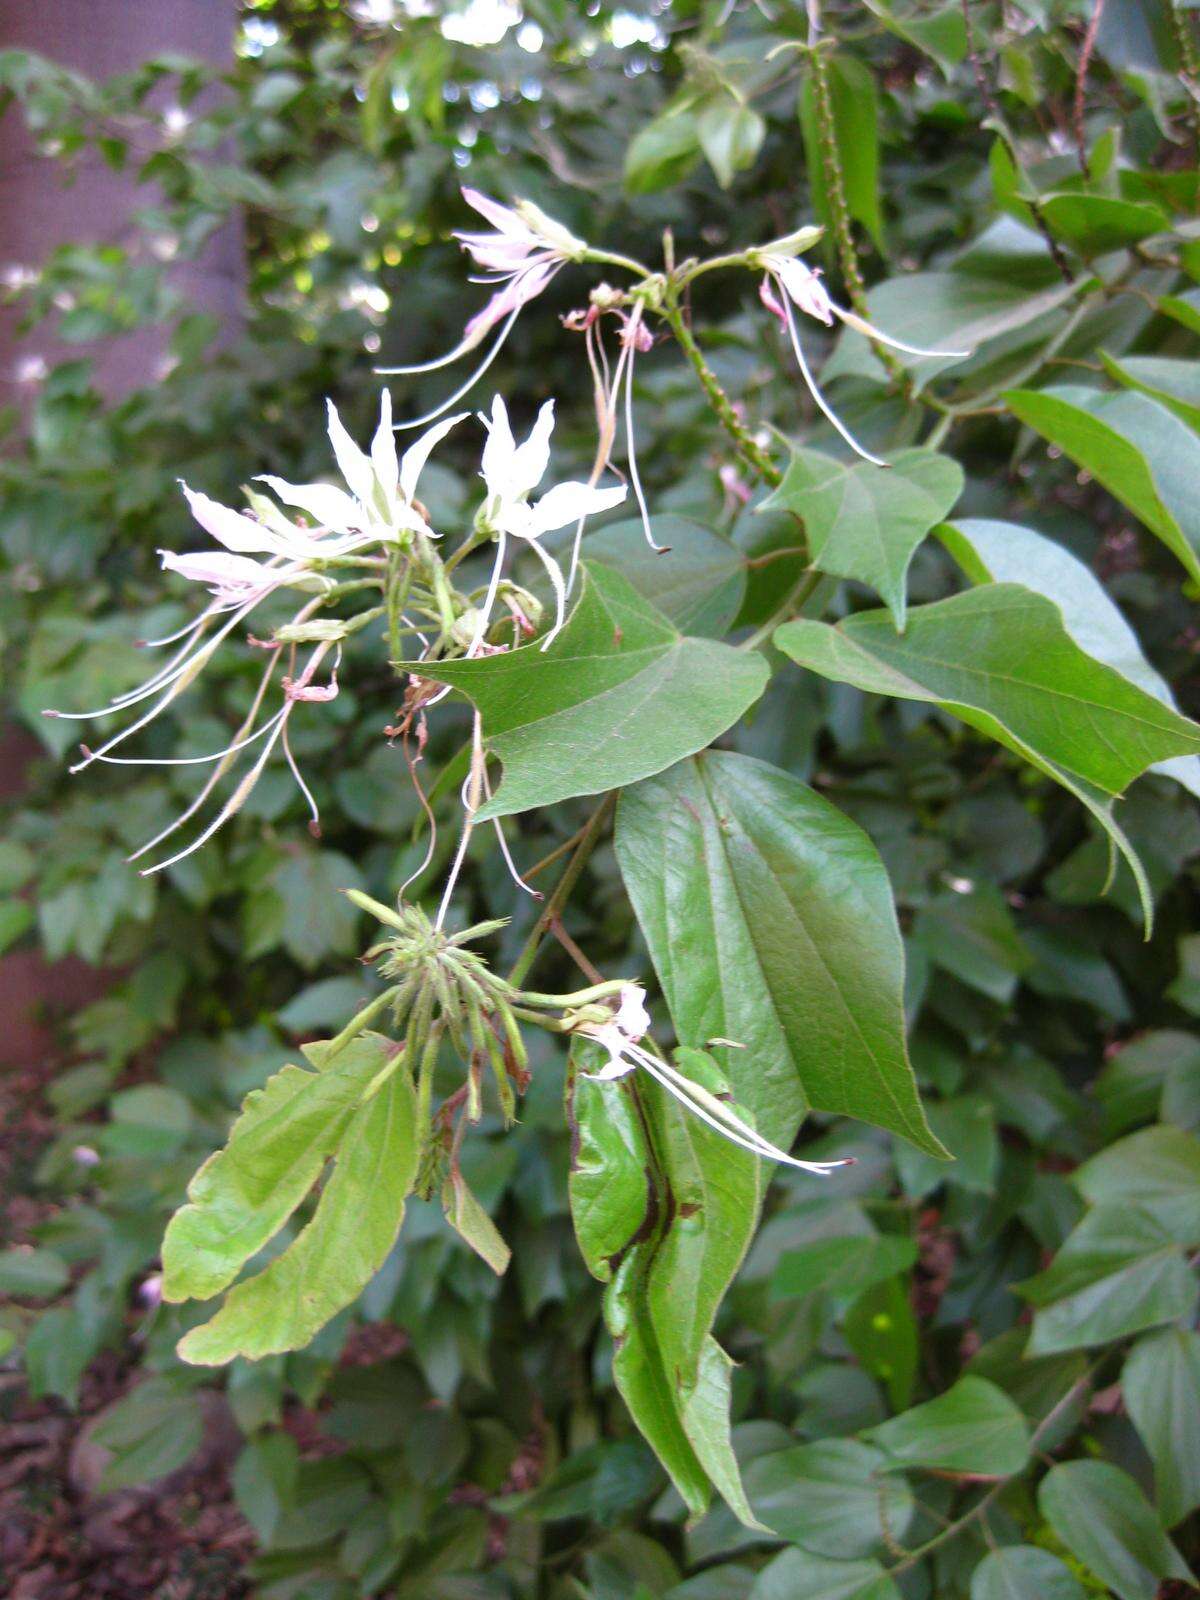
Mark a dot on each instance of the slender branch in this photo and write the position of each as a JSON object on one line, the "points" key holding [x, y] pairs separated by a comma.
{"points": [[1081, 76], [588, 841]]}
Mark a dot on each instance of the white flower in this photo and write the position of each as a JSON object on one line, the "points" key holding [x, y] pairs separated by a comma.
{"points": [[511, 472], [621, 1037], [522, 255], [382, 488], [789, 282]]}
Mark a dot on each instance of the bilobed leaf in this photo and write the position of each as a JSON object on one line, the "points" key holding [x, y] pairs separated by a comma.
{"points": [[1118, 1273], [1024, 1572], [1141, 453], [1005, 552], [698, 585], [856, 137], [618, 696], [769, 919], [1157, 1169], [999, 657], [1102, 1517], [865, 522], [275, 1152], [1160, 1384], [973, 1428], [336, 1254]]}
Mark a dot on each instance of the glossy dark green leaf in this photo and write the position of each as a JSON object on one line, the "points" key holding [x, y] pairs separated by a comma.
{"points": [[797, 1572], [1171, 380], [770, 921], [1024, 1572], [1119, 1272], [842, 1267], [1006, 552], [973, 936], [619, 695], [1160, 1384], [1102, 1517], [973, 1428], [1141, 453], [865, 522], [831, 1497]]}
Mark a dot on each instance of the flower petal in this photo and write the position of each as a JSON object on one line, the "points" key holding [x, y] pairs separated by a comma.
{"points": [[328, 506], [417, 454], [565, 504], [503, 218], [353, 465], [383, 449], [221, 572], [230, 528]]}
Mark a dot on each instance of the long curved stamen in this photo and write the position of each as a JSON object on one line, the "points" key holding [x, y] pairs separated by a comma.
{"points": [[870, 331], [606, 389], [189, 627], [826, 409], [183, 761], [631, 451], [554, 572], [215, 777], [735, 1130], [314, 822], [432, 416], [469, 824], [485, 615], [504, 850]]}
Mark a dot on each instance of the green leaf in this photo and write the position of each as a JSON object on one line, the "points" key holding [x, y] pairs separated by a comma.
{"points": [[264, 1481], [999, 657], [1138, 450], [699, 585], [730, 134], [1184, 987], [1023, 1572], [336, 1254], [1119, 1272], [940, 34], [1006, 552], [16, 918], [32, 1274], [618, 696], [151, 1431], [1102, 1517], [1172, 381], [472, 1223], [664, 151], [974, 937], [842, 1267], [276, 1151], [863, 522], [1157, 1169], [830, 1497], [795, 1572], [664, 1210], [973, 1428], [856, 137], [317, 919], [1095, 223], [1160, 1384], [770, 921]]}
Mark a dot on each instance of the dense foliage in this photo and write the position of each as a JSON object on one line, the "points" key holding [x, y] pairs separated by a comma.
{"points": [[903, 865]]}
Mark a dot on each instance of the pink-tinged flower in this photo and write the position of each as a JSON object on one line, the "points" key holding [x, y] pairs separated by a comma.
{"points": [[790, 283], [621, 1036], [511, 472], [737, 490], [520, 256]]}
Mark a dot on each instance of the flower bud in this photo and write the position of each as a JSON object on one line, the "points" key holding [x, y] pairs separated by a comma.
{"points": [[553, 233]]}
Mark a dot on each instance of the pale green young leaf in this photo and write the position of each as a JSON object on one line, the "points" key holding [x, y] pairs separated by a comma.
{"points": [[973, 1428], [1137, 449], [337, 1253], [1103, 1518], [276, 1150], [864, 522], [730, 134], [770, 921], [1095, 223], [618, 696], [473, 1225], [1160, 1384], [1006, 552]]}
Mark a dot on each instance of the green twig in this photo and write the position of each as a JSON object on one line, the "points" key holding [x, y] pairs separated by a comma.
{"points": [[588, 841]]}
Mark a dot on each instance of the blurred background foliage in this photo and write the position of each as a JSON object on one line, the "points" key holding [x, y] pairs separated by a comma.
{"points": [[459, 1435]]}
